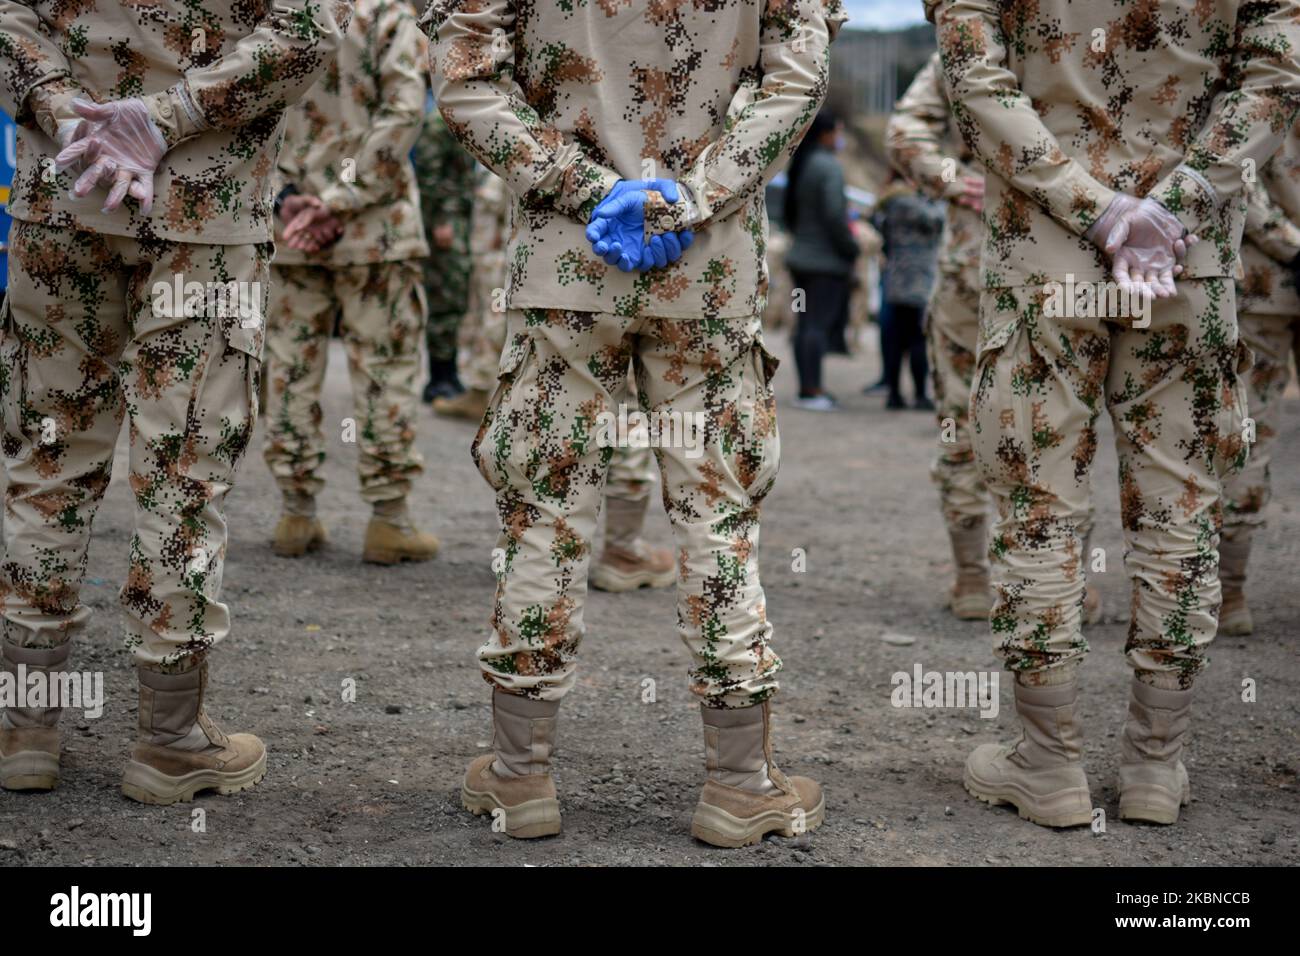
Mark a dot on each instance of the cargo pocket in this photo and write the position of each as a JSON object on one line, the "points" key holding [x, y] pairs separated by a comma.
{"points": [[223, 403], [14, 442], [500, 446], [1232, 450], [759, 457]]}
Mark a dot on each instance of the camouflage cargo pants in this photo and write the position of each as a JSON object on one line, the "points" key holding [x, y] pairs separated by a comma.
{"points": [[93, 333], [952, 330], [382, 311], [542, 448], [483, 332], [1176, 402], [1272, 338]]}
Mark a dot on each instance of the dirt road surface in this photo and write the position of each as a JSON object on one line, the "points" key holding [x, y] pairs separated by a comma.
{"points": [[376, 781]]}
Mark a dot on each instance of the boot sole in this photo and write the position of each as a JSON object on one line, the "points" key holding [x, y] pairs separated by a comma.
{"points": [[717, 827], [394, 557], [1030, 807], [615, 581], [29, 770], [144, 784], [527, 821]]}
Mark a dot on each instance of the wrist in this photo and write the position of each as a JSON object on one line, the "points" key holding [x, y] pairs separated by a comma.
{"points": [[51, 105], [281, 196], [176, 115]]}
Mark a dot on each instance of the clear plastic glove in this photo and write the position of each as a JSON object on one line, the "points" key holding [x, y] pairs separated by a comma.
{"points": [[617, 228], [120, 149], [1146, 243]]}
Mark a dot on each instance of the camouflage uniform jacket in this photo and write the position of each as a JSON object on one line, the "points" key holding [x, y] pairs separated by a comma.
{"points": [[349, 140], [1273, 235], [1066, 103], [924, 145], [216, 76], [563, 99]]}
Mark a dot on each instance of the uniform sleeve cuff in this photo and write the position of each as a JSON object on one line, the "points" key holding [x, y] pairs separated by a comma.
{"points": [[583, 185], [1188, 195], [176, 114]]}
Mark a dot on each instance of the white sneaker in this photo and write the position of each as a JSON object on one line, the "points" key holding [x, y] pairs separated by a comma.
{"points": [[816, 403]]}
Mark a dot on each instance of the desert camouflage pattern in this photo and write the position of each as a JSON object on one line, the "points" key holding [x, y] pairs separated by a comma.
{"points": [[923, 144], [1268, 312], [1271, 243], [445, 175], [541, 448], [1067, 103], [87, 341], [1177, 405], [562, 100], [216, 76], [348, 141], [1042, 101], [1273, 340], [382, 320], [483, 332]]}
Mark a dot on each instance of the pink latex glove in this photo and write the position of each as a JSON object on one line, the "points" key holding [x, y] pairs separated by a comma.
{"points": [[121, 149], [1146, 243]]}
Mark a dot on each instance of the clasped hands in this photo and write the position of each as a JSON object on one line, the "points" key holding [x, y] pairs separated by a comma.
{"points": [[310, 225], [1146, 244], [616, 229], [118, 146]]}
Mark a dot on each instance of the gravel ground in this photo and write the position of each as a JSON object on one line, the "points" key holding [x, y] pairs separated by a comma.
{"points": [[377, 781]]}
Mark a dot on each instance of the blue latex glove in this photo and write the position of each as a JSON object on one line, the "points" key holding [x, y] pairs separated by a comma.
{"points": [[617, 228]]}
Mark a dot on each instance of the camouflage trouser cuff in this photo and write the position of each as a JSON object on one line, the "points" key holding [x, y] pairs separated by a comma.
{"points": [[1062, 673]]}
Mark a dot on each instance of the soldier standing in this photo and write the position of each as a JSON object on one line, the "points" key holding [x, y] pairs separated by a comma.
{"points": [[717, 99], [147, 308], [445, 175], [1268, 313], [924, 145], [1092, 123], [351, 245]]}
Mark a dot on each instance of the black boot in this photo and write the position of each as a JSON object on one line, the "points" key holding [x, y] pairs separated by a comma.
{"points": [[443, 382]]}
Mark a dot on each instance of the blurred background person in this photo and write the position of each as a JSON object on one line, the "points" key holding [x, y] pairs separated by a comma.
{"points": [[821, 255], [445, 175], [911, 226]]}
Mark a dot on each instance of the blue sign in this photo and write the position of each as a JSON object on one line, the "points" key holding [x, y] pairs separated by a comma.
{"points": [[8, 160]]}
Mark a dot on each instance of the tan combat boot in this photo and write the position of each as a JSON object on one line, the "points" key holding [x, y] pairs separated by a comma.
{"points": [[745, 796], [1041, 774], [1234, 613], [628, 563], [392, 537], [514, 782], [470, 404], [180, 750], [299, 530], [29, 736], [971, 598], [1153, 782]]}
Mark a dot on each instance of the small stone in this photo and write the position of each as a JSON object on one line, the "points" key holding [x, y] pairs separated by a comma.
{"points": [[897, 639], [393, 709]]}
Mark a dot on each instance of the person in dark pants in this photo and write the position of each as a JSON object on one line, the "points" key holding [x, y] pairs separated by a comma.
{"points": [[822, 253], [911, 226]]}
